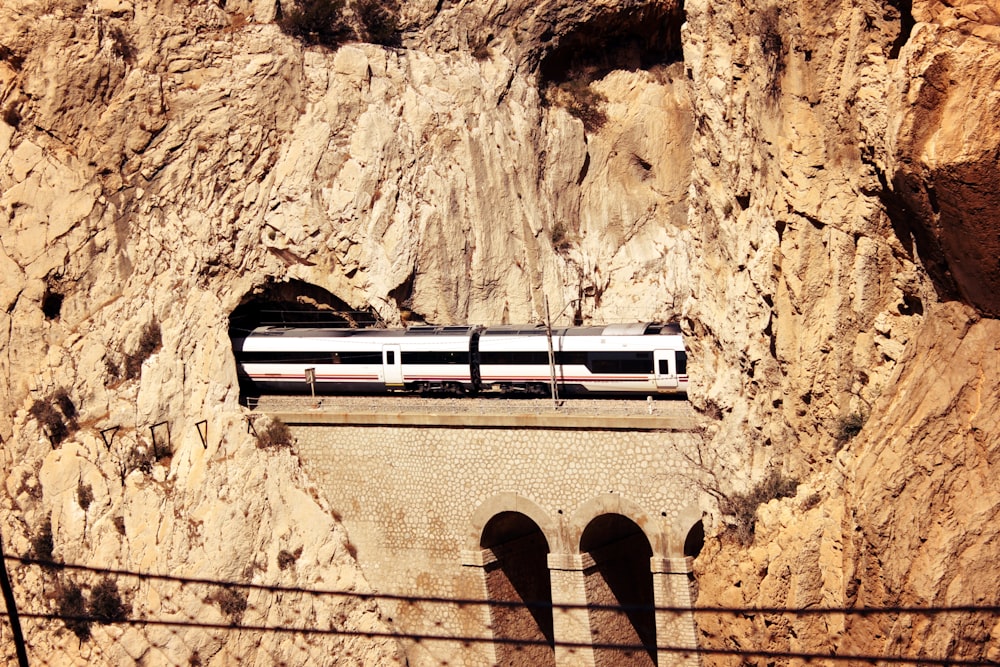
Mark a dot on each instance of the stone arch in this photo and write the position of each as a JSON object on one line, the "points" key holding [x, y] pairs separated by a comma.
{"points": [[516, 577], [613, 503], [684, 533], [620, 591], [511, 502]]}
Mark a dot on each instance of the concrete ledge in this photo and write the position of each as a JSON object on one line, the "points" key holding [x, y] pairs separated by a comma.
{"points": [[526, 421]]}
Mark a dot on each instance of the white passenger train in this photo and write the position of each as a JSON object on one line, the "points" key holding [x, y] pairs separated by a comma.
{"points": [[644, 358]]}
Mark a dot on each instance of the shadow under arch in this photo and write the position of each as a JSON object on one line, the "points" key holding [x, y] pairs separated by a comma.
{"points": [[619, 589], [519, 589]]}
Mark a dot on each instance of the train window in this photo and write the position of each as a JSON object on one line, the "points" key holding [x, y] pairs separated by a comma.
{"points": [[620, 362], [452, 357], [390, 357], [514, 358], [577, 358], [360, 358], [664, 367], [682, 363], [311, 357]]}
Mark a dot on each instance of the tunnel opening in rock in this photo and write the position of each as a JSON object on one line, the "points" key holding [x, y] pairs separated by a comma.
{"points": [[632, 39], [296, 303], [620, 592], [292, 303], [519, 590]]}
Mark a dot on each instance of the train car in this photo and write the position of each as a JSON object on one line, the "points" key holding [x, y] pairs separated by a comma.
{"points": [[324, 360], [644, 358]]}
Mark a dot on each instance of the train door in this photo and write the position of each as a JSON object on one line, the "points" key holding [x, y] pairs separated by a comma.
{"points": [[392, 365], [665, 369]]}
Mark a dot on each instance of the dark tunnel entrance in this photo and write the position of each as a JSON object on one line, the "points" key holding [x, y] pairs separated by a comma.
{"points": [[295, 303], [290, 304], [519, 590], [620, 592]]}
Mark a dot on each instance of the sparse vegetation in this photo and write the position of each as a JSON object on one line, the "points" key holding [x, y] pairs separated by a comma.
{"points": [[42, 544], [56, 414], [106, 603], [481, 50], [287, 558], [149, 342], [379, 21], [127, 459], [120, 45], [73, 610], [560, 237], [743, 506], [65, 403], [578, 98], [317, 22], [105, 606], [113, 370], [232, 603], [274, 435], [811, 501], [848, 427], [84, 495]]}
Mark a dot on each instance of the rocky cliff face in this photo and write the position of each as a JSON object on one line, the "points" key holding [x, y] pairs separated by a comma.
{"points": [[810, 188]]}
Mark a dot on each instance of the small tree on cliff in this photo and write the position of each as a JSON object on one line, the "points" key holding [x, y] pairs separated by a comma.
{"points": [[317, 22]]}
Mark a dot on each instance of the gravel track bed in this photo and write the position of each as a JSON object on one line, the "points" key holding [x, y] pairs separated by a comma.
{"points": [[493, 405]]}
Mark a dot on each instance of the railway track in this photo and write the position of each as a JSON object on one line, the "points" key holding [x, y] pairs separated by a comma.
{"points": [[601, 407]]}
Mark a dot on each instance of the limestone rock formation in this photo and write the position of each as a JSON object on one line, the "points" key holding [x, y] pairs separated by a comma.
{"points": [[810, 188]]}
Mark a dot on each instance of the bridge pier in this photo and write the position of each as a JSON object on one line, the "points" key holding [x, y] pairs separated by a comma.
{"points": [[675, 630], [570, 615]]}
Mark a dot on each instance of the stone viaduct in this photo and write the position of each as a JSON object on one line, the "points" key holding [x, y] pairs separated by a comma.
{"points": [[531, 539]]}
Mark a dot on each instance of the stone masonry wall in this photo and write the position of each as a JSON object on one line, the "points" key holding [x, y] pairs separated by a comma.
{"points": [[415, 502]]}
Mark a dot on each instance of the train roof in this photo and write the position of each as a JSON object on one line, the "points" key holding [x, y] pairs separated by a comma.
{"points": [[328, 332], [625, 329]]}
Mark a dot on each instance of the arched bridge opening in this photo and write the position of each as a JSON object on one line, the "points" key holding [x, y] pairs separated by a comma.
{"points": [[619, 587], [519, 590]]}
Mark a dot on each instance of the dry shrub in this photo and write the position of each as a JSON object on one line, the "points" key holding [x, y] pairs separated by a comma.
{"points": [[848, 427], [287, 558], [73, 609], [12, 114], [379, 19], [275, 435], [743, 506], [42, 544], [578, 98], [232, 603], [317, 22], [149, 342], [106, 603], [56, 414]]}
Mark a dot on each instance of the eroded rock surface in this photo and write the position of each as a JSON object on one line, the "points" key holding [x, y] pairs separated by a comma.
{"points": [[811, 188]]}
